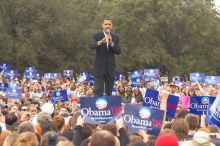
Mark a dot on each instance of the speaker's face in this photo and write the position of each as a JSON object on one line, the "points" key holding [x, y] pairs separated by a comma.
{"points": [[107, 25]]}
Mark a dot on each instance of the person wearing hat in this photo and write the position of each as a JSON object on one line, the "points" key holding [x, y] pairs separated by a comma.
{"points": [[167, 140], [200, 138]]}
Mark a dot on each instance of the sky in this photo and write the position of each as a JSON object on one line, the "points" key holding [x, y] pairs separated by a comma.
{"points": [[217, 2]]}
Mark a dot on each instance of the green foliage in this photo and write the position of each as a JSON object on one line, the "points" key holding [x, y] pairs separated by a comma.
{"points": [[177, 36]]}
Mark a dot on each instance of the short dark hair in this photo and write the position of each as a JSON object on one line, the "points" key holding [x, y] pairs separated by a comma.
{"points": [[193, 121], [107, 19], [10, 118], [181, 113], [102, 136], [59, 121], [26, 126], [181, 128], [138, 143], [86, 132], [111, 128]]}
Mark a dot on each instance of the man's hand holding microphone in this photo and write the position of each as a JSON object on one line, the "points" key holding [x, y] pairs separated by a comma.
{"points": [[107, 38]]}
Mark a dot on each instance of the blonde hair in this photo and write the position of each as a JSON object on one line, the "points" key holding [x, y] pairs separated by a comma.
{"points": [[10, 139], [3, 136], [66, 143], [26, 139]]}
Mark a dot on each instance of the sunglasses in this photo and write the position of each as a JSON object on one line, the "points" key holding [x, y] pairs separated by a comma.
{"points": [[24, 109]]}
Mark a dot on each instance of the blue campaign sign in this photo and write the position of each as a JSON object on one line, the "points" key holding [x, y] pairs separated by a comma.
{"points": [[151, 73], [11, 74], [56, 76], [137, 117], [151, 100], [3, 86], [155, 82], [12, 84], [136, 82], [59, 96], [52, 76], [213, 113], [100, 110], [177, 80], [30, 75], [30, 70], [199, 104], [48, 76], [15, 93], [37, 77], [212, 80], [137, 74], [84, 76], [118, 76], [114, 91], [68, 73], [91, 80], [4, 66], [200, 77], [172, 103]]}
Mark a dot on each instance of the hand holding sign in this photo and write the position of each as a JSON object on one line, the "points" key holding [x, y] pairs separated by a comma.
{"points": [[163, 96], [144, 135], [202, 123], [80, 120], [119, 123]]}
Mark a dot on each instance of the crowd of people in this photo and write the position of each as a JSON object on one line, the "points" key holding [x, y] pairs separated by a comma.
{"points": [[34, 120]]}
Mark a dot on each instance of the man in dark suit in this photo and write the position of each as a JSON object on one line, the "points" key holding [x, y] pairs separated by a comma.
{"points": [[106, 45]]}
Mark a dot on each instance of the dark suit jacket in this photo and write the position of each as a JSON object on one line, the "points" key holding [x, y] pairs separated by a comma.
{"points": [[104, 62]]}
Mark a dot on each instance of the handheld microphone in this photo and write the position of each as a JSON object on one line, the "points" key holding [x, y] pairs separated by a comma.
{"points": [[107, 32]]}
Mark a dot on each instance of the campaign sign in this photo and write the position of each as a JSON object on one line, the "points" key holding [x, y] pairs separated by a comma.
{"points": [[30, 75], [91, 80], [68, 73], [37, 77], [100, 110], [56, 76], [151, 73], [11, 74], [136, 82], [137, 117], [177, 80], [199, 104], [118, 76], [59, 96], [15, 93], [4, 66], [151, 100], [84, 76], [155, 82], [48, 76], [3, 86], [137, 74], [172, 103], [12, 84], [52, 76], [213, 113], [200, 77], [30, 70], [114, 91], [212, 80]]}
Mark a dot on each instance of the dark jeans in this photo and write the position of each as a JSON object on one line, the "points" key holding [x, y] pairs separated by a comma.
{"points": [[103, 83]]}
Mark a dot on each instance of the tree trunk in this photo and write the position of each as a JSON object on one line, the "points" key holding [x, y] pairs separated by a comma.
{"points": [[170, 75]]}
